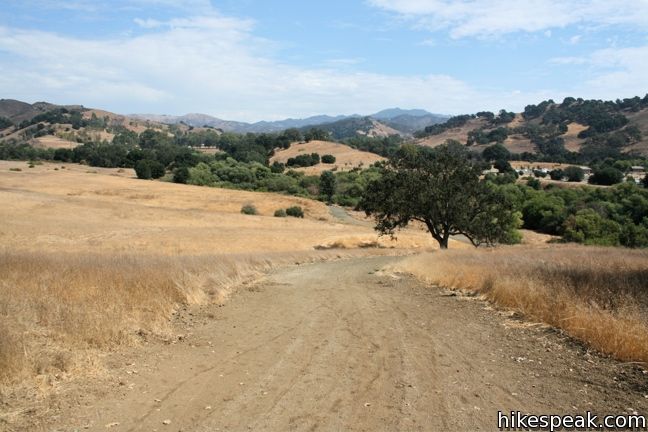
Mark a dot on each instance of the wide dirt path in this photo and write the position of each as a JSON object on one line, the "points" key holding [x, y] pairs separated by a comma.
{"points": [[339, 347]]}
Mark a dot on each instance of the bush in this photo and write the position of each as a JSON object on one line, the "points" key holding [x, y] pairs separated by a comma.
{"points": [[328, 159], [295, 211], [149, 169], [143, 170], [496, 152], [574, 174], [534, 183], [557, 174], [606, 176], [249, 209], [181, 175], [280, 213]]}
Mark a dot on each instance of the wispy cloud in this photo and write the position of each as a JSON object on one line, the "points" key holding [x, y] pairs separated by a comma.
{"points": [[214, 64], [484, 18]]}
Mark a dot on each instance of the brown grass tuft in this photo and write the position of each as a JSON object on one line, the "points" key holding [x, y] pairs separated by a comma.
{"points": [[597, 295]]}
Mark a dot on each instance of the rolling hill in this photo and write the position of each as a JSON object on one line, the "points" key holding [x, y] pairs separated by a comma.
{"points": [[575, 128], [47, 125], [346, 158]]}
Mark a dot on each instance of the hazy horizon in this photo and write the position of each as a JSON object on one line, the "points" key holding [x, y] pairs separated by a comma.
{"points": [[251, 60]]}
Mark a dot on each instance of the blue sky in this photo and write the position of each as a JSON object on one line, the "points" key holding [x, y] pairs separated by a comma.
{"points": [[254, 59]]}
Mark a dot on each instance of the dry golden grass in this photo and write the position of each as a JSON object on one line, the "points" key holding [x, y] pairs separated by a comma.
{"points": [[51, 141], [572, 142], [459, 134], [347, 157], [56, 308], [597, 295], [92, 258]]}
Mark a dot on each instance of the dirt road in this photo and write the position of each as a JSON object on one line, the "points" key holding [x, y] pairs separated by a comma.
{"points": [[339, 347]]}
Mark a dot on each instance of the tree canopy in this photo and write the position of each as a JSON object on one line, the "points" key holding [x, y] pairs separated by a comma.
{"points": [[440, 188]]}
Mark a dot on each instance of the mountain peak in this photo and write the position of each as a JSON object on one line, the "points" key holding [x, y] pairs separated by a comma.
{"points": [[390, 113]]}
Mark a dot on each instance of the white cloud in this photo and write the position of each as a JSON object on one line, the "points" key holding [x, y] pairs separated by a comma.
{"points": [[214, 64], [479, 18], [613, 72], [574, 40]]}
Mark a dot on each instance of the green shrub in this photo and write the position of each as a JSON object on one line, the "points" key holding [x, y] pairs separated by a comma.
{"points": [[249, 209], [280, 213], [534, 183], [295, 211], [157, 169], [181, 175], [606, 176], [149, 169], [143, 170], [328, 159], [574, 174]]}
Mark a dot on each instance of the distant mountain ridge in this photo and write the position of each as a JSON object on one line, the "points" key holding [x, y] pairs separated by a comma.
{"points": [[18, 111], [402, 121]]}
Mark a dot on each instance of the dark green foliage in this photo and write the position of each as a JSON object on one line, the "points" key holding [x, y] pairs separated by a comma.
{"points": [[534, 183], [295, 211], [440, 188], [644, 182], [503, 117], [557, 174], [280, 213], [496, 152], [504, 167], [277, 167], [149, 169], [304, 160], [385, 147], [606, 176], [327, 185], [544, 212], [328, 159], [5, 123], [451, 123], [143, 170], [157, 169], [486, 115], [249, 209], [316, 134], [574, 174], [604, 216], [534, 111], [59, 115], [181, 175]]}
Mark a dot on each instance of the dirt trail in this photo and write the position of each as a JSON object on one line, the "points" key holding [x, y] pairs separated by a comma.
{"points": [[339, 347]]}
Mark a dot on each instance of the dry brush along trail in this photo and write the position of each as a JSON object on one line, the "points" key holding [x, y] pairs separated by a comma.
{"points": [[342, 346]]}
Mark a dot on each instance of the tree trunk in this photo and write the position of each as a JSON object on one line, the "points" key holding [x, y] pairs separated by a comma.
{"points": [[443, 243]]}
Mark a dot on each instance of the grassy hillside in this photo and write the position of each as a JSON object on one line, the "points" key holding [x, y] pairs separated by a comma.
{"points": [[574, 129], [356, 126], [346, 158], [45, 125]]}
